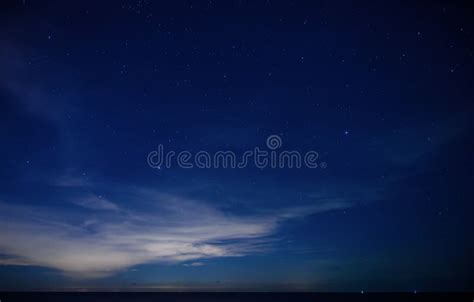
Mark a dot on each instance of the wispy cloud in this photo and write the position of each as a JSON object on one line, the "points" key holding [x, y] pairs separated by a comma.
{"points": [[70, 181], [194, 264], [173, 230], [13, 261], [96, 203]]}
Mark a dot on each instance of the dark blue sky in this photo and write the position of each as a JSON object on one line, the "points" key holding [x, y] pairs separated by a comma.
{"points": [[382, 91]]}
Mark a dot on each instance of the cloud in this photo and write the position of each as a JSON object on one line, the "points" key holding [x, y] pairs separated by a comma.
{"points": [[13, 261], [194, 264], [171, 230], [95, 203], [70, 181]]}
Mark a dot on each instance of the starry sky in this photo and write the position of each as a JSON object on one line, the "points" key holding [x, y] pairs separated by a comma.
{"points": [[382, 91]]}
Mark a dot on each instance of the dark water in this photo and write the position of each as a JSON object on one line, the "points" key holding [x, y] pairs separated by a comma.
{"points": [[227, 297]]}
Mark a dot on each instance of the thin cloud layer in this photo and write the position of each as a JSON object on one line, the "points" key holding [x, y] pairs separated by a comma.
{"points": [[97, 243], [96, 203]]}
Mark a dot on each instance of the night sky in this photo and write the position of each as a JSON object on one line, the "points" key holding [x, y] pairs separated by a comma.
{"points": [[383, 92]]}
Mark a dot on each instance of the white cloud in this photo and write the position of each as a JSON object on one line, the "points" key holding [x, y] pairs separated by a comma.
{"points": [[14, 261], [172, 230], [194, 264], [70, 181], [95, 203]]}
